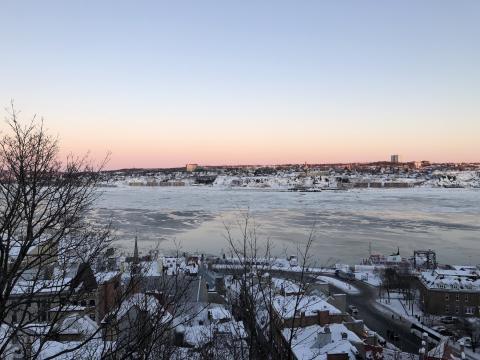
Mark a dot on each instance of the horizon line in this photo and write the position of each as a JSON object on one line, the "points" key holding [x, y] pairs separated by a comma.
{"points": [[294, 164]]}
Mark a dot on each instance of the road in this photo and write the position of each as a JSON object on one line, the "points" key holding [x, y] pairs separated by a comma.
{"points": [[374, 318], [379, 321]]}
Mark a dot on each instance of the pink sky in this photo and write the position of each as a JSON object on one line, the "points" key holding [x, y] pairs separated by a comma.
{"points": [[163, 84], [164, 144]]}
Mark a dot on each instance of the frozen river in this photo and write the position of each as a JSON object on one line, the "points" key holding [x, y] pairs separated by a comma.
{"points": [[447, 220]]}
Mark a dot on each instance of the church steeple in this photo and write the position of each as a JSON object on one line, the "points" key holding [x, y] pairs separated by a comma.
{"points": [[135, 251], [136, 259]]}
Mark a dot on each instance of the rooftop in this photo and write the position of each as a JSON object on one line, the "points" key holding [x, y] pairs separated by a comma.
{"points": [[287, 306], [306, 343], [461, 279]]}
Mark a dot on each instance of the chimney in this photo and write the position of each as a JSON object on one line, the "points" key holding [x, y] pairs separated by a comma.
{"points": [[324, 337], [179, 338], [302, 318]]}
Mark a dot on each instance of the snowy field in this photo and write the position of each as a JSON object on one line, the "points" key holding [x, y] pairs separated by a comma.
{"points": [[345, 221]]}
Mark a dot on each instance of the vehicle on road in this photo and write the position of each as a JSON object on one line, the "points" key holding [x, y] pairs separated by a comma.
{"points": [[447, 332], [350, 276], [443, 330], [467, 341], [448, 319], [352, 309], [433, 337]]}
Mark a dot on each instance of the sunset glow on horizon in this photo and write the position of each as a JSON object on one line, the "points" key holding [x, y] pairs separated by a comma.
{"points": [[163, 84]]}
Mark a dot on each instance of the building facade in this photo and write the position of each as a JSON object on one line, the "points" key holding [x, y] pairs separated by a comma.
{"points": [[450, 292]]}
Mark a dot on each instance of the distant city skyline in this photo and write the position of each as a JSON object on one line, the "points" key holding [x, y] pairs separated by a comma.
{"points": [[163, 84], [190, 167]]}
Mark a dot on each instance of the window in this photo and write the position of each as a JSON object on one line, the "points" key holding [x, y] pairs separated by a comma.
{"points": [[457, 297], [92, 302], [447, 308], [457, 309], [447, 297], [470, 310], [466, 297]]}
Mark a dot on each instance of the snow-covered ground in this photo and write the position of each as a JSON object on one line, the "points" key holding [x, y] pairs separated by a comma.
{"points": [[342, 285], [284, 180], [399, 307]]}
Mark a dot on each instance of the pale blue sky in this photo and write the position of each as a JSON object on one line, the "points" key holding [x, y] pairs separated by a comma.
{"points": [[164, 83]]}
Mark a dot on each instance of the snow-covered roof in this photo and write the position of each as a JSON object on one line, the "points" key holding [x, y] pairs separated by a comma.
{"points": [[219, 313], [144, 302], [285, 306], [306, 345], [198, 335], [93, 349], [77, 325], [464, 267], [41, 286], [5, 332], [104, 276], [461, 279], [68, 308], [286, 286]]}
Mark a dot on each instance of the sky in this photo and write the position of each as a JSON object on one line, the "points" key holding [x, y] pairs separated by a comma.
{"points": [[162, 84]]}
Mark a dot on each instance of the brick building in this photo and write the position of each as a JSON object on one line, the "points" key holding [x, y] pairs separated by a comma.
{"points": [[451, 292]]}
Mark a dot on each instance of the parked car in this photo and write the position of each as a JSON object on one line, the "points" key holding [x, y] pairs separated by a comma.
{"points": [[439, 328], [467, 341], [448, 319], [447, 332], [349, 276], [442, 330], [352, 309]]}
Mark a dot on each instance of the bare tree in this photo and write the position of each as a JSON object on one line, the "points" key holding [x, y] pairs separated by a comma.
{"points": [[257, 295], [49, 249], [389, 280], [472, 327], [43, 230]]}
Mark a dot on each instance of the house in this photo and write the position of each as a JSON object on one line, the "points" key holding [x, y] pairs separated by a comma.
{"points": [[136, 320], [329, 342], [450, 292], [286, 287], [209, 328], [94, 349], [73, 328], [109, 289], [300, 311]]}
